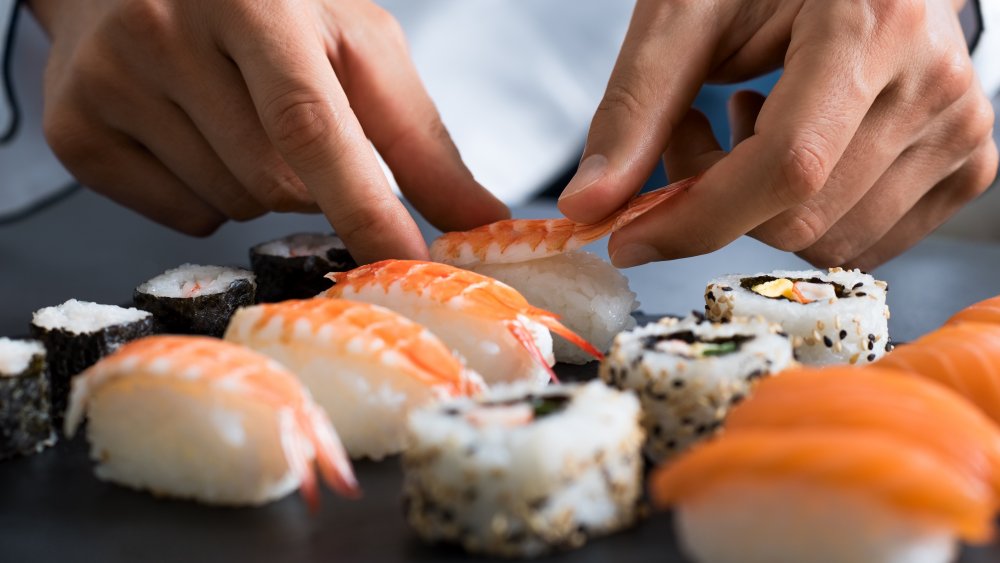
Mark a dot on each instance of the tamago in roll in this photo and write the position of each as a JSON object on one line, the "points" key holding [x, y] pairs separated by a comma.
{"points": [[833, 317], [364, 364], [520, 472], [687, 373]]}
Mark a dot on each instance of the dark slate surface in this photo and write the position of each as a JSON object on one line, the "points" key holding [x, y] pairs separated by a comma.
{"points": [[52, 508]]}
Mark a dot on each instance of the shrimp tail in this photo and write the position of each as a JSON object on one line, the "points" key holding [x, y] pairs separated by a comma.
{"points": [[643, 203], [334, 465], [557, 327], [299, 461], [518, 331]]}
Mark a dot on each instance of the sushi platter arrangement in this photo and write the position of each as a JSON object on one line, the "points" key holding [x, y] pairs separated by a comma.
{"points": [[509, 401]]}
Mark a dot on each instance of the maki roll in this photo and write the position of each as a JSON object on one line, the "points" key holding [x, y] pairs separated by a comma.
{"points": [[203, 419], [524, 471], [193, 299], [294, 267], [77, 334], [687, 374], [833, 317], [25, 423], [366, 365]]}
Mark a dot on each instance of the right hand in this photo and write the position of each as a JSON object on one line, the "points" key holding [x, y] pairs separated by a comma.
{"points": [[193, 112]]}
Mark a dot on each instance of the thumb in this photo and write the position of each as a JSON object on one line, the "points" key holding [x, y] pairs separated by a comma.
{"points": [[663, 62]]}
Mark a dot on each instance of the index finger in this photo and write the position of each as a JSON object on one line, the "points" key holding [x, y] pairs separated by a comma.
{"points": [[804, 127], [308, 118]]}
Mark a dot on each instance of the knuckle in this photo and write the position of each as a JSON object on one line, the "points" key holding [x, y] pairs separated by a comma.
{"points": [[979, 121], [950, 75], [798, 231], [66, 134], [900, 16], [361, 224], [622, 97], [804, 171], [148, 22], [983, 171], [387, 25], [300, 122]]}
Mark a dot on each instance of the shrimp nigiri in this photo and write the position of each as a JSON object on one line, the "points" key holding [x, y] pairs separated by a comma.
{"points": [[541, 259], [823, 496], [490, 324], [178, 415], [964, 357], [917, 411], [519, 240], [367, 366], [986, 311]]}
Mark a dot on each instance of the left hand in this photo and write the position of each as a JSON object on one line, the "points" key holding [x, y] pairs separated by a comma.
{"points": [[875, 134]]}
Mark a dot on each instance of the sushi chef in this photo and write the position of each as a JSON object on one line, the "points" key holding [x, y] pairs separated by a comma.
{"points": [[193, 113]]}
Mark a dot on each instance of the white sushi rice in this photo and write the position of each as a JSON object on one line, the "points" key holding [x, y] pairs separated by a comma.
{"points": [[590, 296], [81, 317], [789, 522], [301, 244], [852, 329], [192, 280], [482, 475], [16, 355], [685, 395]]}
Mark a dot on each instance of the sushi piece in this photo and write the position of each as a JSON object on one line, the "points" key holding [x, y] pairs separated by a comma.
{"points": [[199, 418], [591, 297], [986, 311], [295, 266], [540, 258], [522, 471], [500, 335], [820, 496], [833, 317], [76, 335], [964, 357], [688, 373], [25, 422], [922, 413], [367, 366], [193, 299]]}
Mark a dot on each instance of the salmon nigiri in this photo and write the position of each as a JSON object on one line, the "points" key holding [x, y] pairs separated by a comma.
{"points": [[822, 496], [986, 311], [366, 365], [200, 418], [964, 357], [489, 323], [922, 413]]}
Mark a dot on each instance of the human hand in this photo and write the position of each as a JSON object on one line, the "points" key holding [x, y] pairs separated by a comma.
{"points": [[193, 112], [876, 132]]}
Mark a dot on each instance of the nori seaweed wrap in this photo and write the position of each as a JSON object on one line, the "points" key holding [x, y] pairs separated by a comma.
{"points": [[192, 299], [25, 421], [294, 267], [76, 335]]}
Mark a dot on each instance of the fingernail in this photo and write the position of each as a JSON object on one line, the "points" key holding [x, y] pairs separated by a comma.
{"points": [[634, 255], [590, 171]]}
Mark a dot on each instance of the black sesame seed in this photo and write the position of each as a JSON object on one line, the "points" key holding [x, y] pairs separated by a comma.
{"points": [[671, 444], [710, 296], [677, 383], [687, 421], [871, 337], [857, 285], [871, 345], [860, 294], [700, 429], [827, 342], [843, 334], [726, 288], [871, 357], [737, 399]]}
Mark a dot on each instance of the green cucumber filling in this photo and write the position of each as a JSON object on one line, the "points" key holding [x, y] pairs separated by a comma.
{"points": [[749, 283], [689, 345]]}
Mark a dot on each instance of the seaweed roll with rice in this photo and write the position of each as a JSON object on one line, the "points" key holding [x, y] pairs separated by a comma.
{"points": [[523, 471], [833, 317], [77, 334], [25, 422], [687, 374], [193, 299], [293, 267]]}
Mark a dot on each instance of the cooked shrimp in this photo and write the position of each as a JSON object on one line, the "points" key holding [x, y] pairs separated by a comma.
{"points": [[518, 240], [367, 366], [501, 335], [228, 389]]}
